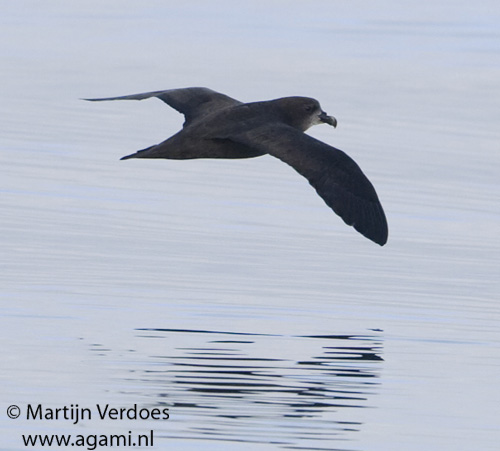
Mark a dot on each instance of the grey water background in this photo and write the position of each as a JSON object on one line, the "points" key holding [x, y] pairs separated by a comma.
{"points": [[226, 290]]}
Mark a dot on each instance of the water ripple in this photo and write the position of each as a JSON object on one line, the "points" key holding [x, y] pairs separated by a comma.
{"points": [[294, 391]]}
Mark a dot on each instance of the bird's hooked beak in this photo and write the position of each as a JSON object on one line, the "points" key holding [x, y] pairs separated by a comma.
{"points": [[330, 120]]}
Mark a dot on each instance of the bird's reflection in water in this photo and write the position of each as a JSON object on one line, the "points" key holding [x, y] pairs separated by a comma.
{"points": [[295, 391]]}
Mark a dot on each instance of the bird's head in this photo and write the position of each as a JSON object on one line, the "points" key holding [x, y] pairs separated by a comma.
{"points": [[303, 112]]}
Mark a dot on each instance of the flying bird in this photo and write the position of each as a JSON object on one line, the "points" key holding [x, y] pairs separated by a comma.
{"points": [[218, 126]]}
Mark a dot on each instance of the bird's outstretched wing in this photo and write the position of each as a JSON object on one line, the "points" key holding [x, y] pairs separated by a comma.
{"points": [[194, 103], [335, 176]]}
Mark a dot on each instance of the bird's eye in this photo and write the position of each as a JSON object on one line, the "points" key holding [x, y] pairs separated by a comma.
{"points": [[309, 108]]}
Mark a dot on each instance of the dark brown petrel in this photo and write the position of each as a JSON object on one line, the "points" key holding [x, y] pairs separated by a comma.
{"points": [[218, 126]]}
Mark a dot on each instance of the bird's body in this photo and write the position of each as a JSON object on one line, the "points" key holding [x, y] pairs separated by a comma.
{"points": [[218, 126]]}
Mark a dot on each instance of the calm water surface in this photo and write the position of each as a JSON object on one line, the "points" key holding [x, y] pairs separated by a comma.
{"points": [[226, 291]]}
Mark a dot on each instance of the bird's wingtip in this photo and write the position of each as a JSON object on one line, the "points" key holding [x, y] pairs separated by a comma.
{"points": [[382, 242], [380, 238], [127, 157]]}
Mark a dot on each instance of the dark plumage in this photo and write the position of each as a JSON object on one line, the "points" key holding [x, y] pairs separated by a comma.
{"points": [[218, 126]]}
